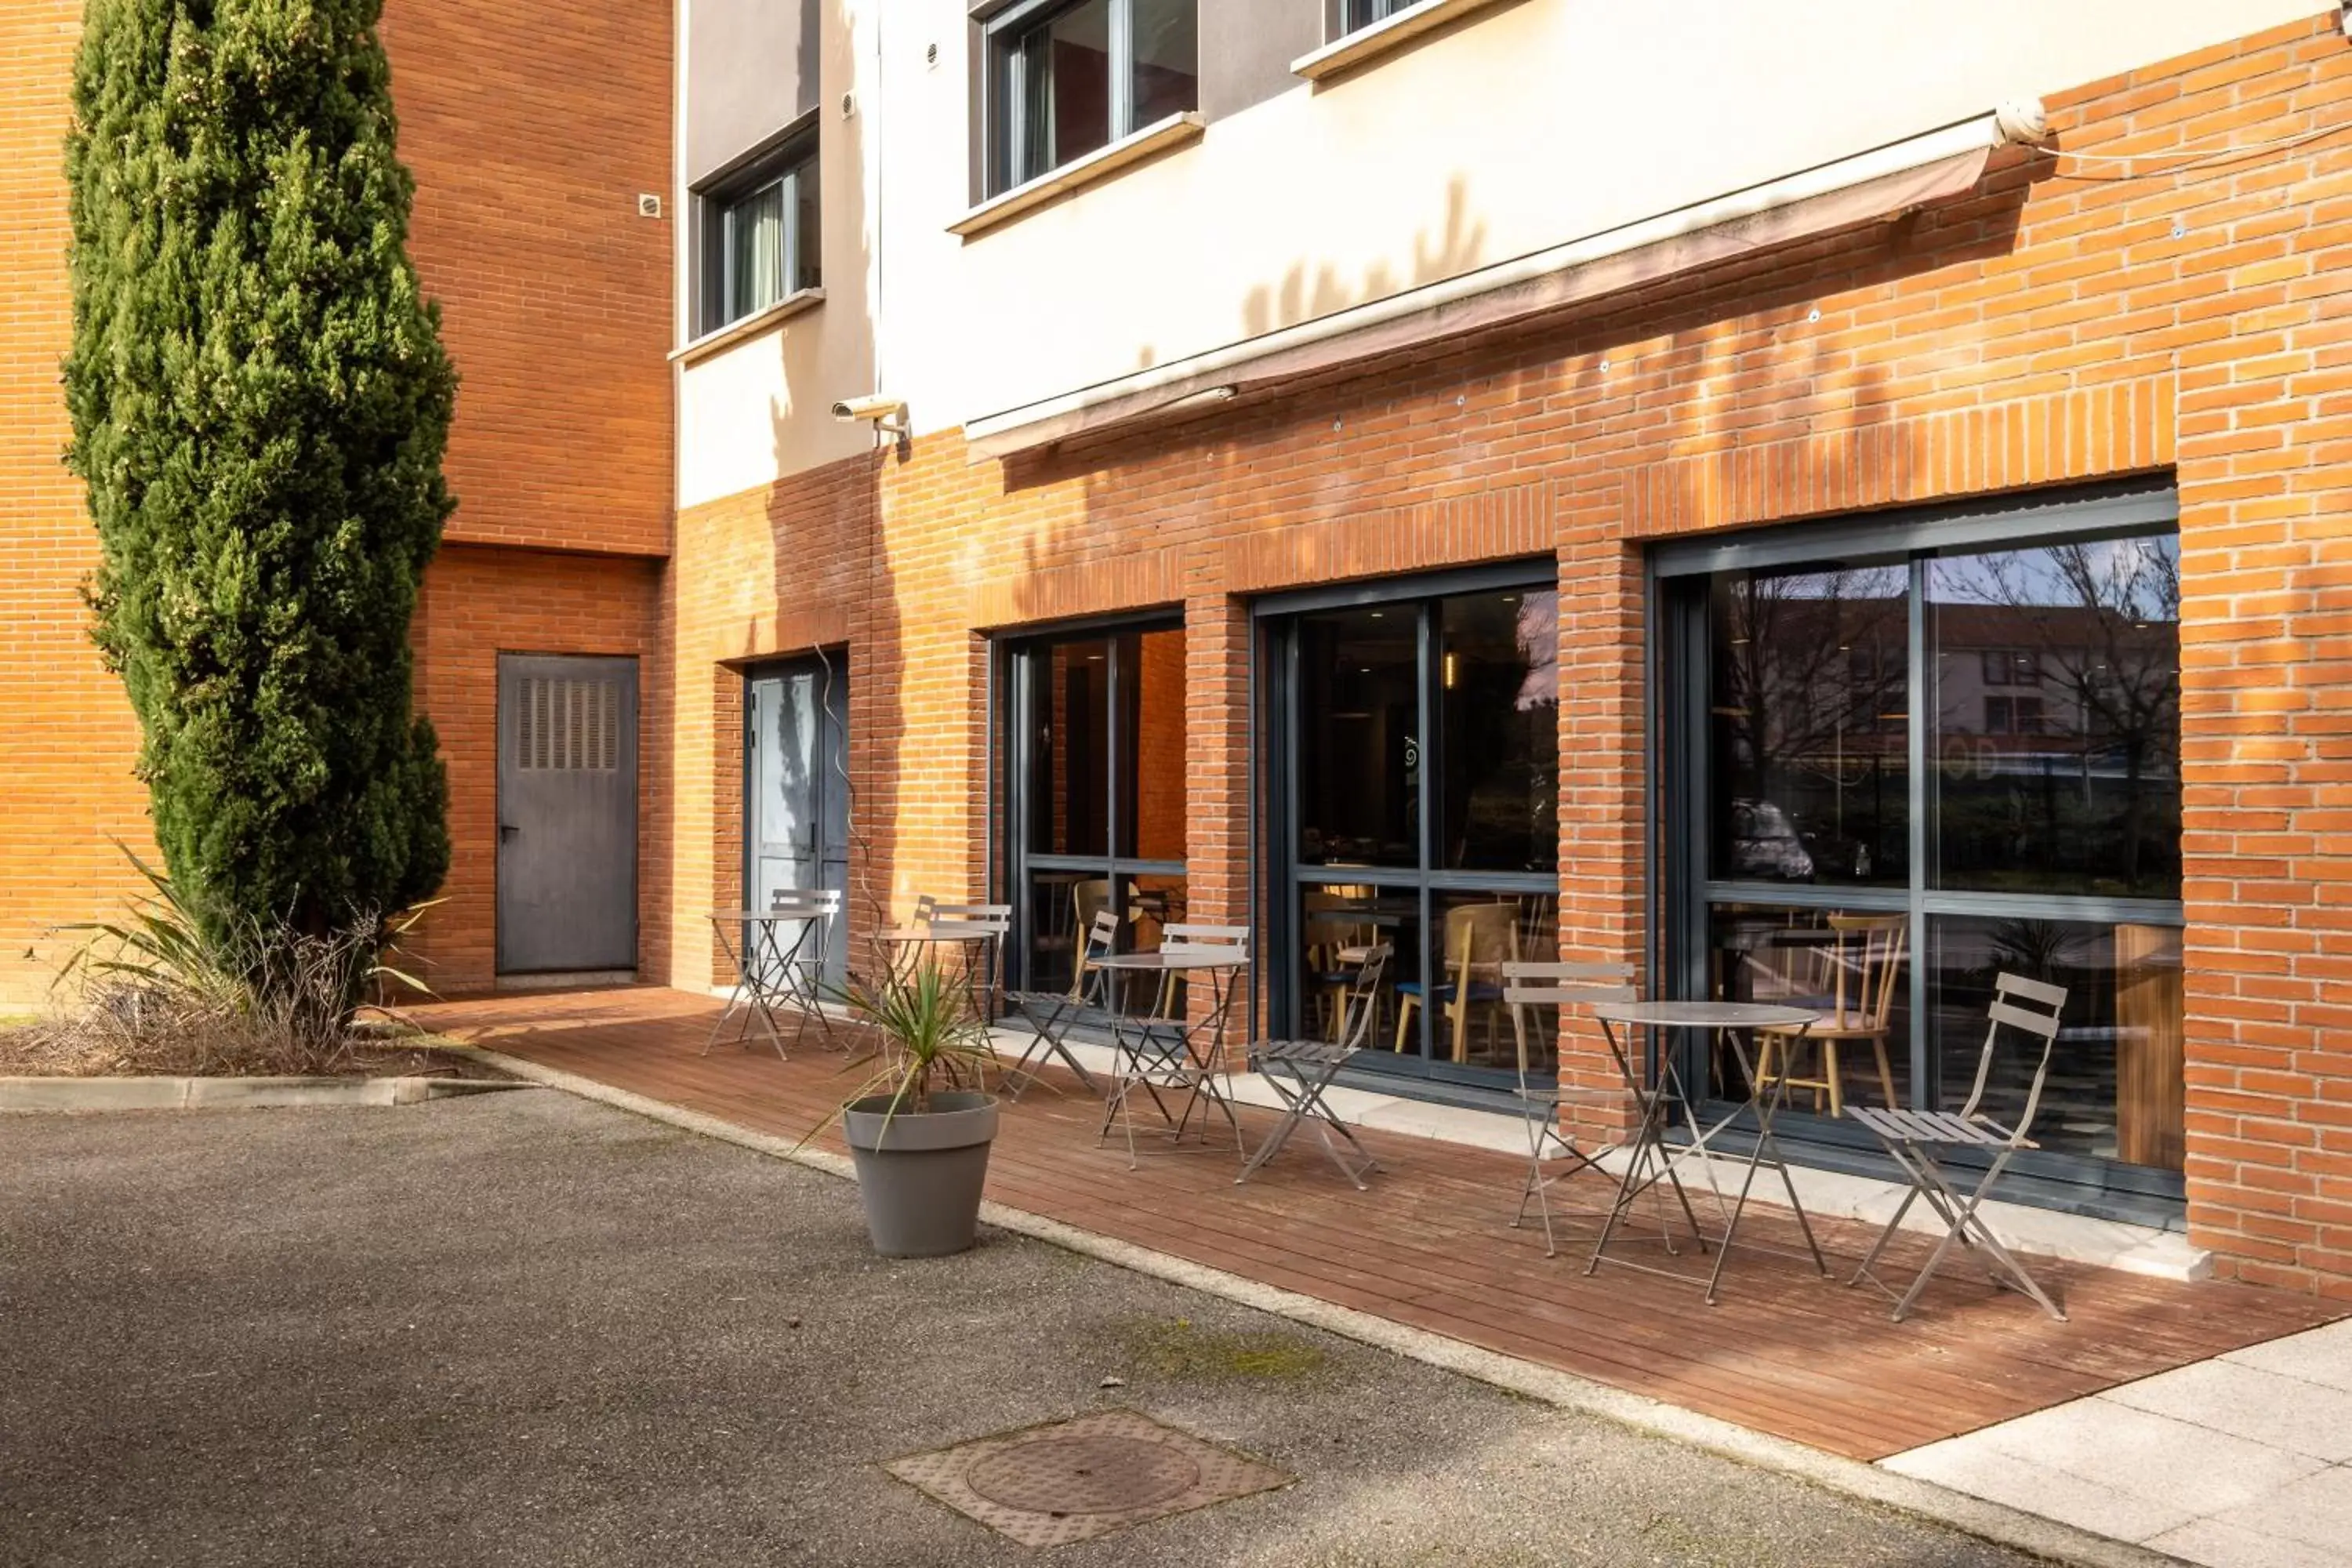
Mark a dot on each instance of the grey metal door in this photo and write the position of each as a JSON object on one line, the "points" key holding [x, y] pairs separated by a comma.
{"points": [[567, 813], [796, 786]]}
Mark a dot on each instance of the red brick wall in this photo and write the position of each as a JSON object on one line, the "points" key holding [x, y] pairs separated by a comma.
{"points": [[67, 733], [529, 144], [2050, 327], [480, 601], [789, 571], [531, 134]]}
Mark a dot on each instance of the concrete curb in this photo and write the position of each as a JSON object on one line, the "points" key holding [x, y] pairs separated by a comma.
{"points": [[1990, 1521], [31, 1094]]}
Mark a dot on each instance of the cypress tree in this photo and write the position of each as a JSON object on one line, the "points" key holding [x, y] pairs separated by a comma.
{"points": [[260, 403]]}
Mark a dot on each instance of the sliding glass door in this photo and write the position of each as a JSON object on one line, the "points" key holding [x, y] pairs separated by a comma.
{"points": [[1413, 775], [1095, 767], [1902, 757]]}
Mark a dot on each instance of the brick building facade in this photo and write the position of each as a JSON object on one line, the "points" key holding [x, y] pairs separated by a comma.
{"points": [[2055, 327], [2151, 306], [529, 146]]}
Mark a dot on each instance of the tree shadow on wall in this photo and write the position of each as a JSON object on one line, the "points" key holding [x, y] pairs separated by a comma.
{"points": [[1703, 320]]}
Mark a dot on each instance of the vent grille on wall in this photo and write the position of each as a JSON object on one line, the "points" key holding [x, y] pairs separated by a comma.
{"points": [[572, 725]]}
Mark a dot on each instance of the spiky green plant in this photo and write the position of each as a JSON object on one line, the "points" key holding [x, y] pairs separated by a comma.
{"points": [[231, 993], [931, 1040]]}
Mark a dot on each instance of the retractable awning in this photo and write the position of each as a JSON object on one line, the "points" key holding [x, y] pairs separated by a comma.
{"points": [[1819, 200]]}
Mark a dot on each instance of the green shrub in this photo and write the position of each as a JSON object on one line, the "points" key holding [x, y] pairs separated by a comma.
{"points": [[260, 404]]}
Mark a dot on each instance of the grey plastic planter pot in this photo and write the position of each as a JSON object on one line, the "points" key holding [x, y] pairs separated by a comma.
{"points": [[921, 1179]]}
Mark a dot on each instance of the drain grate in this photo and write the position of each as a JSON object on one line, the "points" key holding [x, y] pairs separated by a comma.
{"points": [[1048, 1486], [1100, 1474]]}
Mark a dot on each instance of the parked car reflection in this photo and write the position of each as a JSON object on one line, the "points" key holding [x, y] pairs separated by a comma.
{"points": [[1765, 843]]}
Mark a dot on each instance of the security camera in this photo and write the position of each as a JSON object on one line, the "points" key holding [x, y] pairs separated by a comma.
{"points": [[887, 413]]}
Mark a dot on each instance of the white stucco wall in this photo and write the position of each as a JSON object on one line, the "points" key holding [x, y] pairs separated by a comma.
{"points": [[1537, 123]]}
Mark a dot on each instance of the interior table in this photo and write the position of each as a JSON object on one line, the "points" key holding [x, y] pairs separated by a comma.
{"points": [[1659, 1088], [769, 972], [1152, 1052]]}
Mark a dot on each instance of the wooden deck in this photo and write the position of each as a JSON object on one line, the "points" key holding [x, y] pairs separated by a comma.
{"points": [[1430, 1245]]}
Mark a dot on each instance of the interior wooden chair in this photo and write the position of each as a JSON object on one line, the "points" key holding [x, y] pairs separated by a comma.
{"points": [[1479, 940], [1334, 931], [1086, 898], [1864, 964]]}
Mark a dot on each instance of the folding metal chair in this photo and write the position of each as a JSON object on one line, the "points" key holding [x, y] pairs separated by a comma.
{"points": [[1167, 1049], [805, 959], [1912, 1139], [1310, 1066], [1530, 984], [1053, 1014], [771, 972], [980, 929]]}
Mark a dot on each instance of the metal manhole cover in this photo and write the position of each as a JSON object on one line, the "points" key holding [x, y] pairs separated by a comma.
{"points": [[1077, 1480], [1081, 1475]]}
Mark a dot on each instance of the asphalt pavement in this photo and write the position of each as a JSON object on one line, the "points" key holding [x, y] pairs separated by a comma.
{"points": [[522, 1329]]}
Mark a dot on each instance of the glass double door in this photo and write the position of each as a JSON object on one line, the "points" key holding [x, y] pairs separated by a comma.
{"points": [[1095, 764], [1415, 784], [796, 786]]}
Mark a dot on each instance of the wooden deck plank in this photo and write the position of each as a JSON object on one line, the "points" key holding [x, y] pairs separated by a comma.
{"points": [[1429, 1247]]}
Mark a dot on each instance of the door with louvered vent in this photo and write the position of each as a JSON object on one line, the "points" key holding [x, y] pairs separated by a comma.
{"points": [[567, 814]]}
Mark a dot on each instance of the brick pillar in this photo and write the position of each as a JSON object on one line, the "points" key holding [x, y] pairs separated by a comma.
{"points": [[1218, 870], [1602, 916], [2267, 781]]}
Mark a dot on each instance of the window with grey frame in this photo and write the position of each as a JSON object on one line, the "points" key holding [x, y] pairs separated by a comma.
{"points": [[1066, 77], [761, 230], [1851, 821], [1093, 786], [1411, 732], [1355, 15]]}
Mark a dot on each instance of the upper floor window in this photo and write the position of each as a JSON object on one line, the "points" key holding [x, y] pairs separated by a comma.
{"points": [[2006, 667], [1356, 14], [1069, 76], [759, 234]]}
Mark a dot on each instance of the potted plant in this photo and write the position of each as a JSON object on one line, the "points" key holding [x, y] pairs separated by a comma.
{"points": [[920, 1129]]}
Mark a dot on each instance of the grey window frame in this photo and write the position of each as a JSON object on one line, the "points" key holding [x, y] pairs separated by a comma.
{"points": [[1674, 704], [788, 160], [1277, 739], [1003, 66], [1012, 720], [1345, 18]]}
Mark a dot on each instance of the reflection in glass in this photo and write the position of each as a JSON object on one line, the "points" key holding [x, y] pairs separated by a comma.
{"points": [[1167, 55], [1147, 905], [2116, 1088], [1359, 752], [2055, 729], [1364, 13], [1808, 699], [1068, 761], [1477, 933], [1497, 704], [1063, 78], [1062, 905], [808, 239], [1151, 677], [1335, 917], [1851, 968], [755, 243]]}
